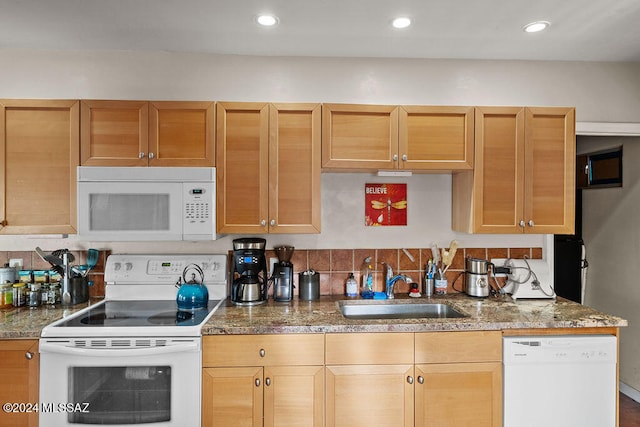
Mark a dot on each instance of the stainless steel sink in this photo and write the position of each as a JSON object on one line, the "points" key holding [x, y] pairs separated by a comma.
{"points": [[399, 311]]}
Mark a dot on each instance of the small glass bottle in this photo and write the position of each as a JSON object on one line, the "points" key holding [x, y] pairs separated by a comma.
{"points": [[366, 276]]}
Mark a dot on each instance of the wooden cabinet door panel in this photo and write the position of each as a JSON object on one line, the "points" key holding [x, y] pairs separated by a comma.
{"points": [[114, 133], [39, 142], [436, 138], [359, 136], [550, 165], [232, 397], [499, 170], [181, 133], [369, 396], [242, 157], [459, 395], [294, 396], [19, 380], [294, 168]]}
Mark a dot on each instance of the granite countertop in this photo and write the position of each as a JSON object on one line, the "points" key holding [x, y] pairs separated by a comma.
{"points": [[324, 315], [25, 322]]}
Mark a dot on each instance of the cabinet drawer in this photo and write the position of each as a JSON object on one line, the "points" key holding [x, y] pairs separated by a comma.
{"points": [[455, 347], [263, 350], [369, 348]]}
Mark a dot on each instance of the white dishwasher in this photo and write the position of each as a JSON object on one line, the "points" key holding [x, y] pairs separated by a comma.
{"points": [[560, 381]]}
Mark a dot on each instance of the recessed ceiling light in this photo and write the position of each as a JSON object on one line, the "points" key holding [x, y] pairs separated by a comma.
{"points": [[267, 20], [535, 27], [401, 22]]}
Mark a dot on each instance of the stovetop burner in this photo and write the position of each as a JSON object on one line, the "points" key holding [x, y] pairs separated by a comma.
{"points": [[134, 313]]}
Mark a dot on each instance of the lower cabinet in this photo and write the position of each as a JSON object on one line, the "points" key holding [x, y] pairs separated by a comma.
{"points": [[270, 380], [353, 379], [19, 380], [423, 379]]}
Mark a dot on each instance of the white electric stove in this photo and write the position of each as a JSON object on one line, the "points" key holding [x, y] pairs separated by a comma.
{"points": [[128, 360]]}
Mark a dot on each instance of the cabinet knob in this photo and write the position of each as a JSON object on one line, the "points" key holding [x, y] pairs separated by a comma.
{"points": [[262, 352], [141, 155], [4, 223], [272, 223], [586, 169], [267, 381], [521, 224], [404, 157], [421, 379], [263, 222], [395, 157], [410, 379], [151, 156], [28, 355], [531, 224], [257, 382]]}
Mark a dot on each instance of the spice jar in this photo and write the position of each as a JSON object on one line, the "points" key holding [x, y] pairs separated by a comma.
{"points": [[6, 295], [19, 294], [34, 297]]}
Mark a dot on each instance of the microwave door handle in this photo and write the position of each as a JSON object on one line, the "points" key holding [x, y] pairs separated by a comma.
{"points": [[113, 352]]}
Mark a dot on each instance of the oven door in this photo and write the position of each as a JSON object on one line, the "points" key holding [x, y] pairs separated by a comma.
{"points": [[121, 382]]}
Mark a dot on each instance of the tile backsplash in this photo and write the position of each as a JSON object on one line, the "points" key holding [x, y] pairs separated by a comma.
{"points": [[334, 265]]}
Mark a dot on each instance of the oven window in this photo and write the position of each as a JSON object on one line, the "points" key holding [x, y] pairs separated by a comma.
{"points": [[120, 395], [121, 212]]}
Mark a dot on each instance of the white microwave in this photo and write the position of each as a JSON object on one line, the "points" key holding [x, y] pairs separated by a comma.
{"points": [[146, 203]]}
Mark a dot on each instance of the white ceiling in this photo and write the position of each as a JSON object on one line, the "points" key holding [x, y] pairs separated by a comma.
{"points": [[583, 30]]}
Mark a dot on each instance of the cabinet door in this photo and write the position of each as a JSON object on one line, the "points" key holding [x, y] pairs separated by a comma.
{"points": [[294, 396], [491, 198], [114, 133], [242, 159], [436, 138], [19, 379], [459, 395], [359, 136], [39, 143], [369, 395], [232, 397], [181, 133], [294, 168], [550, 158]]}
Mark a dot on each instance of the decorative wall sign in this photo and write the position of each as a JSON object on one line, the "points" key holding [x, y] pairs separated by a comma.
{"points": [[385, 204]]}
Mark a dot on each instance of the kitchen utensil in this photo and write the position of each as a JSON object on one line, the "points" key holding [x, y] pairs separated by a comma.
{"points": [[193, 294], [309, 284], [476, 279], [449, 255]]}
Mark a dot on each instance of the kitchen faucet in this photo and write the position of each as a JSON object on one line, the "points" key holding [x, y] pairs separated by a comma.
{"points": [[390, 280]]}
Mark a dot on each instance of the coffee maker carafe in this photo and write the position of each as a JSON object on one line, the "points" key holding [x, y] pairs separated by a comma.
{"points": [[249, 272], [283, 274]]}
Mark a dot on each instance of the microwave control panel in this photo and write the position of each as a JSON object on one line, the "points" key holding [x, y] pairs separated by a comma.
{"points": [[198, 201]]}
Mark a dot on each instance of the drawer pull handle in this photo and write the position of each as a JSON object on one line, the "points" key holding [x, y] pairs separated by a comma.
{"points": [[262, 352]]}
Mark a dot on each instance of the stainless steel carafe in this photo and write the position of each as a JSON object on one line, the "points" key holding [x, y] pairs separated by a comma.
{"points": [[476, 277]]}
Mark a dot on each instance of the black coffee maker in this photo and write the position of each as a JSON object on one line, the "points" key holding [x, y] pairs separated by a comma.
{"points": [[249, 272], [282, 275]]}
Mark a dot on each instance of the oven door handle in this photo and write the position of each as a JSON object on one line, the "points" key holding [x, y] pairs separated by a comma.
{"points": [[59, 348]]}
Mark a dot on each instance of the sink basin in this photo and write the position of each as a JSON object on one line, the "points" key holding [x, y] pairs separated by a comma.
{"points": [[400, 311]]}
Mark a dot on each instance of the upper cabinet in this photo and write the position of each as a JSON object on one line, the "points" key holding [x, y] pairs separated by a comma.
{"points": [[524, 176], [372, 137], [39, 143], [140, 133], [268, 168]]}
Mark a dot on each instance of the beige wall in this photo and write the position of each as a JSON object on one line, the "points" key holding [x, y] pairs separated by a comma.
{"points": [[611, 231]]}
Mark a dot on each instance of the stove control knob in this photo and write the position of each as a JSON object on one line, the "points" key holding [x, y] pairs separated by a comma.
{"points": [[117, 266], [128, 266]]}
